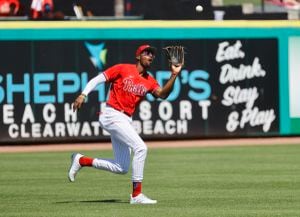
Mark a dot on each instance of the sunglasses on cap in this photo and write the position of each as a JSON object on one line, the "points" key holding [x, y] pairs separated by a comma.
{"points": [[148, 53]]}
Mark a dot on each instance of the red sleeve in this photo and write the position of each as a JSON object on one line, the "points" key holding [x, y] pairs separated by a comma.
{"points": [[113, 72]]}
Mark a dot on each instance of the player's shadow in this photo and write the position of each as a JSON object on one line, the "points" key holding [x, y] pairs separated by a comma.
{"points": [[94, 201], [104, 201]]}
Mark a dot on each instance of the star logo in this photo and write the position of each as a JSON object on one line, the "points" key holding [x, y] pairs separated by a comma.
{"points": [[98, 54]]}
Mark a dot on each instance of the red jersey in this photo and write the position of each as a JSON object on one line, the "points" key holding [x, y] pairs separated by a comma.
{"points": [[38, 7], [5, 7], [128, 87]]}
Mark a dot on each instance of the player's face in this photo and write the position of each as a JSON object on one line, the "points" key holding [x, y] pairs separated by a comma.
{"points": [[147, 58]]}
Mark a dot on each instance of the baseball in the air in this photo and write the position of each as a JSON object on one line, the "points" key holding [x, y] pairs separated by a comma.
{"points": [[199, 8]]}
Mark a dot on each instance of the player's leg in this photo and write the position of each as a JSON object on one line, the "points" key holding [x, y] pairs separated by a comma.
{"points": [[121, 162], [124, 133], [133, 140], [123, 137]]}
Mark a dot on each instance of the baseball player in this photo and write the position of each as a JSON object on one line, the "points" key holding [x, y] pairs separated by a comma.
{"points": [[129, 85]]}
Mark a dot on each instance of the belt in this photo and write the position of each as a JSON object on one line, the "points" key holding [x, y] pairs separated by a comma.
{"points": [[119, 110]]}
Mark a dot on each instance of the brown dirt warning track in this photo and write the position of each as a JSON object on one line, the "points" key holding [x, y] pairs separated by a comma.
{"points": [[153, 144]]}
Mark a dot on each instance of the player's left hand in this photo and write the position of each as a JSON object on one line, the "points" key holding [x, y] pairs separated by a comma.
{"points": [[176, 69], [78, 102]]}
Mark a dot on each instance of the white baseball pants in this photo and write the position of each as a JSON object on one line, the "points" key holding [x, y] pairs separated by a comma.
{"points": [[124, 138]]}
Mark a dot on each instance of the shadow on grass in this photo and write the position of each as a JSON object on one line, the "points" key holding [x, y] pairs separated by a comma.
{"points": [[93, 201]]}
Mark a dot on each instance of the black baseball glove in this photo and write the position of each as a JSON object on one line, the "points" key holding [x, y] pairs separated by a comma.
{"points": [[175, 55]]}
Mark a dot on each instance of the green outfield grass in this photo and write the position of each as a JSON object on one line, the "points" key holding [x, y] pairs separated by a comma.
{"points": [[258, 181], [239, 2]]}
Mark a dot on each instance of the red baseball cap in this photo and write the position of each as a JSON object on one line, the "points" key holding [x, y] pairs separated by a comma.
{"points": [[143, 48]]}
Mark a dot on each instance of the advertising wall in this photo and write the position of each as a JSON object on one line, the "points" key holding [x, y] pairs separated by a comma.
{"points": [[231, 85]]}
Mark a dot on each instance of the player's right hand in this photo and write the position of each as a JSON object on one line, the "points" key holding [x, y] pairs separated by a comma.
{"points": [[78, 102]]}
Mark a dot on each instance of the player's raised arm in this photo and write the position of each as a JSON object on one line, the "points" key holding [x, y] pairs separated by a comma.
{"points": [[164, 92]]}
